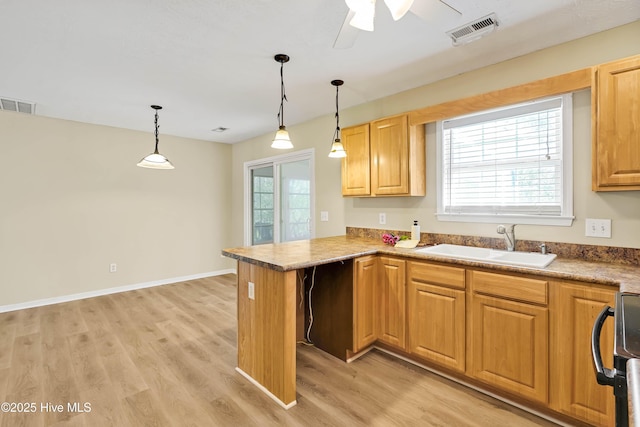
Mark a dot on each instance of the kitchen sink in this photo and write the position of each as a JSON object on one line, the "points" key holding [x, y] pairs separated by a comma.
{"points": [[523, 259]]}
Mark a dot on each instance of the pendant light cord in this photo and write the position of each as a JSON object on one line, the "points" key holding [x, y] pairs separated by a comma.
{"points": [[283, 96], [336, 135], [156, 152]]}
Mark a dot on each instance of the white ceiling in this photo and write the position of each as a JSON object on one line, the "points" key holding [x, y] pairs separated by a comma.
{"points": [[209, 63]]}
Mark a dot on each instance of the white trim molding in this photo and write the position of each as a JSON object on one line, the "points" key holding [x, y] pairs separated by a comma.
{"points": [[108, 291]]}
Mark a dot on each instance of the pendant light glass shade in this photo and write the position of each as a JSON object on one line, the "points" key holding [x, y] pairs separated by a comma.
{"points": [[155, 160], [337, 149], [398, 8], [281, 140]]}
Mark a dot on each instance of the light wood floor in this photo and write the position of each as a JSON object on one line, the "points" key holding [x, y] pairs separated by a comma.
{"points": [[165, 356]]}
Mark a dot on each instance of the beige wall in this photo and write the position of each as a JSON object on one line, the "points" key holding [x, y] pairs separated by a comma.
{"points": [[622, 207], [73, 202]]}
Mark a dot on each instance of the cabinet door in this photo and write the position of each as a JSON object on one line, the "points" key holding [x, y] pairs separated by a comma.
{"points": [[364, 302], [390, 156], [616, 121], [392, 310], [437, 324], [356, 171], [573, 381], [509, 346]]}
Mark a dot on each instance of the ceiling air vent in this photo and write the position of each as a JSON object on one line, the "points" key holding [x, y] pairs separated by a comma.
{"points": [[474, 30], [18, 106]]}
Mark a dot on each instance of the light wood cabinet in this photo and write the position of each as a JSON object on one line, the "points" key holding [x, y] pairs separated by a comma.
{"points": [[508, 333], [384, 158], [392, 301], [574, 390], [356, 169], [436, 314], [615, 123], [364, 302]]}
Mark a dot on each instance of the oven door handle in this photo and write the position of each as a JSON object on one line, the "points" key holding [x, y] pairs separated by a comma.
{"points": [[604, 376]]}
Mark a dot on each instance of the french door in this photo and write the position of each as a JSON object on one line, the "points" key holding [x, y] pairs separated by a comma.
{"points": [[279, 198]]}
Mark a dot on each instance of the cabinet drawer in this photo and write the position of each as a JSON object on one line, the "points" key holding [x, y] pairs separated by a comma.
{"points": [[452, 277], [511, 287]]}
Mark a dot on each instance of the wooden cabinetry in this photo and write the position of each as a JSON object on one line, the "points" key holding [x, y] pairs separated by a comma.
{"points": [[616, 124], [574, 390], [364, 302], [391, 307], [384, 158], [436, 313], [356, 169], [508, 333]]}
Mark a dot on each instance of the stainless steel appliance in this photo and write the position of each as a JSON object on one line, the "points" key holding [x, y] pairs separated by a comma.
{"points": [[626, 346]]}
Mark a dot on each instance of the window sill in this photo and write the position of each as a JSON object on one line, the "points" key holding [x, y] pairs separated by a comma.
{"points": [[561, 221]]}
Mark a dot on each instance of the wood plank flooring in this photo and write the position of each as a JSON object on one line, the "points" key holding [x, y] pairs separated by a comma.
{"points": [[165, 356]]}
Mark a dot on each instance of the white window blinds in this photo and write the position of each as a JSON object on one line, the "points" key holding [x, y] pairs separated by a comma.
{"points": [[506, 162]]}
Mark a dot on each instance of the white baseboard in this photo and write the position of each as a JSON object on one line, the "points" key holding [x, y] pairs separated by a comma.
{"points": [[107, 291]]}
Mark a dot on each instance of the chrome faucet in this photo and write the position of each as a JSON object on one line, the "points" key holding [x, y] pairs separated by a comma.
{"points": [[509, 235]]}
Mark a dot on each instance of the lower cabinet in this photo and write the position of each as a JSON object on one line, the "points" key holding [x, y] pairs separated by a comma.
{"points": [[521, 334], [574, 389], [365, 310], [392, 301], [436, 314], [508, 334]]}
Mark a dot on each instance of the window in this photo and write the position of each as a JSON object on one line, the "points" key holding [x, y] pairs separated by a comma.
{"points": [[511, 164]]}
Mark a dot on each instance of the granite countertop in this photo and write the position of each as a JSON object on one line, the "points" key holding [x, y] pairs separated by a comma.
{"points": [[308, 253]]}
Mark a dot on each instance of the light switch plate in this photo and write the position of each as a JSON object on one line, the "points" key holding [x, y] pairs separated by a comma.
{"points": [[598, 228], [324, 216]]}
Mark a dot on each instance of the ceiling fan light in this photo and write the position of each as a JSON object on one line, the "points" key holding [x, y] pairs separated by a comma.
{"points": [[155, 161], [337, 150], [398, 8], [363, 20], [282, 141], [358, 6]]}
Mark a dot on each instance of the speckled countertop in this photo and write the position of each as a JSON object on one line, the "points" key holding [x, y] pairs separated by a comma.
{"points": [[307, 253]]}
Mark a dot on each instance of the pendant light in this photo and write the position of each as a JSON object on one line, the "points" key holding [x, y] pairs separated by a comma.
{"points": [[155, 160], [281, 141], [337, 149]]}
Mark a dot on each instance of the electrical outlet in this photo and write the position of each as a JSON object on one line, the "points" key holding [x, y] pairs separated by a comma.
{"points": [[252, 290], [324, 216], [113, 268], [598, 228], [382, 217]]}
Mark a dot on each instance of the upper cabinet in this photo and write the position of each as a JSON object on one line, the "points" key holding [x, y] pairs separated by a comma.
{"points": [[384, 158], [616, 126], [356, 172]]}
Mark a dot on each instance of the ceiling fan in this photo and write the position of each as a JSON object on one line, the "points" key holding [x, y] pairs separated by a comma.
{"points": [[362, 13]]}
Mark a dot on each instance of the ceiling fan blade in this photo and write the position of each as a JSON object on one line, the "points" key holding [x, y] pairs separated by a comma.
{"points": [[436, 12], [347, 35]]}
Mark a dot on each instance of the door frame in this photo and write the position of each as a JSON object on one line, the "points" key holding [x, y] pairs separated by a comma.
{"points": [[275, 161]]}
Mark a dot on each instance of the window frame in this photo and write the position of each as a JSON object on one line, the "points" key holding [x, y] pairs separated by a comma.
{"points": [[566, 216]]}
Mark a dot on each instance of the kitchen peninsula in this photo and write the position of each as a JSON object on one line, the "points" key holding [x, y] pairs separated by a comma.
{"points": [[270, 322]]}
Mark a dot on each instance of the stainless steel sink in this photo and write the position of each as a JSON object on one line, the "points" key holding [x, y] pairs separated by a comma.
{"points": [[524, 259]]}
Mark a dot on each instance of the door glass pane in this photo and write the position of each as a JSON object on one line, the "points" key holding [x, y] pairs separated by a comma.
{"points": [[295, 201], [263, 205]]}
